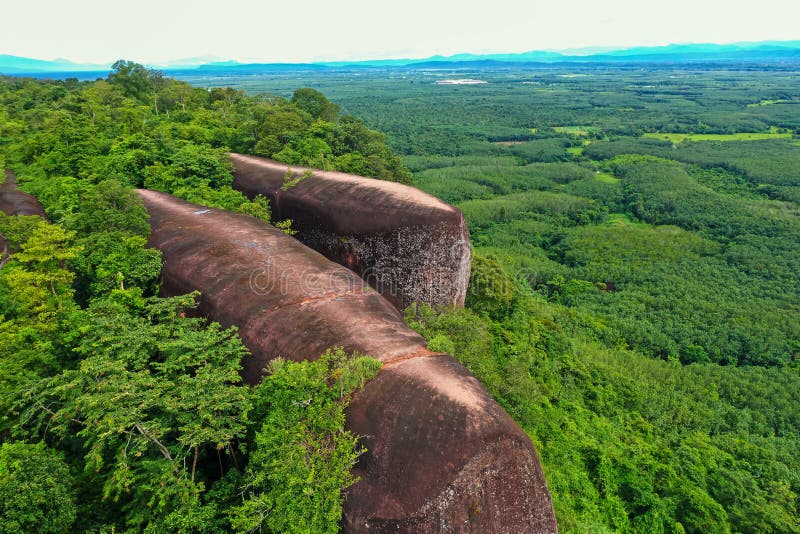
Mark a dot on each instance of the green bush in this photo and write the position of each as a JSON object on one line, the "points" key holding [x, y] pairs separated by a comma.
{"points": [[36, 493], [302, 457]]}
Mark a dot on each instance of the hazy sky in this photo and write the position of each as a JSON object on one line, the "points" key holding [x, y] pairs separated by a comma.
{"points": [[151, 31]]}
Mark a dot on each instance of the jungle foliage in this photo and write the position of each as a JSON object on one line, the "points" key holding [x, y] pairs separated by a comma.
{"points": [[635, 301], [122, 411]]}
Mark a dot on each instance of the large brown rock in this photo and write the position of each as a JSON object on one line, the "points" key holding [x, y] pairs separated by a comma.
{"points": [[16, 202], [442, 455], [410, 246]]}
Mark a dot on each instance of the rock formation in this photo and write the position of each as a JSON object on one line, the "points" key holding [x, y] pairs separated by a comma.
{"points": [[16, 202], [410, 246], [442, 455]]}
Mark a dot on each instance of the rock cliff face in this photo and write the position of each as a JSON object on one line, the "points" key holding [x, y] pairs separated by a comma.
{"points": [[409, 245], [443, 455]]}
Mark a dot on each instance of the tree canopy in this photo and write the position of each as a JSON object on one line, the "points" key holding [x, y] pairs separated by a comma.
{"points": [[123, 410]]}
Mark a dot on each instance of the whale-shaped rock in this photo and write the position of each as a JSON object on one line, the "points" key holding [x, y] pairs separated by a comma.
{"points": [[409, 245], [442, 456], [16, 202]]}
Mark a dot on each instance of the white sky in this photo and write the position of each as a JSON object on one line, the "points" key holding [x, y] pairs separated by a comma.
{"points": [[152, 31]]}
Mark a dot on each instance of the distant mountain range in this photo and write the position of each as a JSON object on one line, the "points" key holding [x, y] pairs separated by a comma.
{"points": [[765, 51], [26, 65]]}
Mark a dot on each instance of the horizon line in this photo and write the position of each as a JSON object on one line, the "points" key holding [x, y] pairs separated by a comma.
{"points": [[589, 51]]}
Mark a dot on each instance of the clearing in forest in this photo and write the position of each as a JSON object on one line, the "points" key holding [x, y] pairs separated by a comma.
{"points": [[677, 138]]}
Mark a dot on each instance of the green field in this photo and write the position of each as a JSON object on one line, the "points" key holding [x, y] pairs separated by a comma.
{"points": [[676, 138], [619, 219], [768, 103], [580, 131], [606, 178]]}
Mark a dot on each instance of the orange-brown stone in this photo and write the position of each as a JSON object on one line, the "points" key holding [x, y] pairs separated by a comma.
{"points": [[442, 456], [16, 202], [407, 244]]}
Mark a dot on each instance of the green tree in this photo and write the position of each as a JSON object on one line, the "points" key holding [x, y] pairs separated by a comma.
{"points": [[193, 161], [131, 78], [115, 260], [36, 307], [155, 395], [157, 81], [490, 289], [15, 231], [302, 457], [38, 282], [128, 158], [36, 493], [107, 207], [315, 104]]}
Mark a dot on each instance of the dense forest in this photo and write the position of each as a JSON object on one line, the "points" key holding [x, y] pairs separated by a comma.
{"points": [[634, 302], [124, 411], [635, 297]]}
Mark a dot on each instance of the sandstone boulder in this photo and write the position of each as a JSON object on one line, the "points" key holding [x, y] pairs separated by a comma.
{"points": [[443, 455], [410, 246], [16, 202]]}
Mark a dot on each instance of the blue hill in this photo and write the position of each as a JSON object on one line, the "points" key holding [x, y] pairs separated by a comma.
{"points": [[766, 51]]}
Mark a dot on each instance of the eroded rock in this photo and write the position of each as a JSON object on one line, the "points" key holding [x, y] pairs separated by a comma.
{"points": [[410, 246], [443, 455]]}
